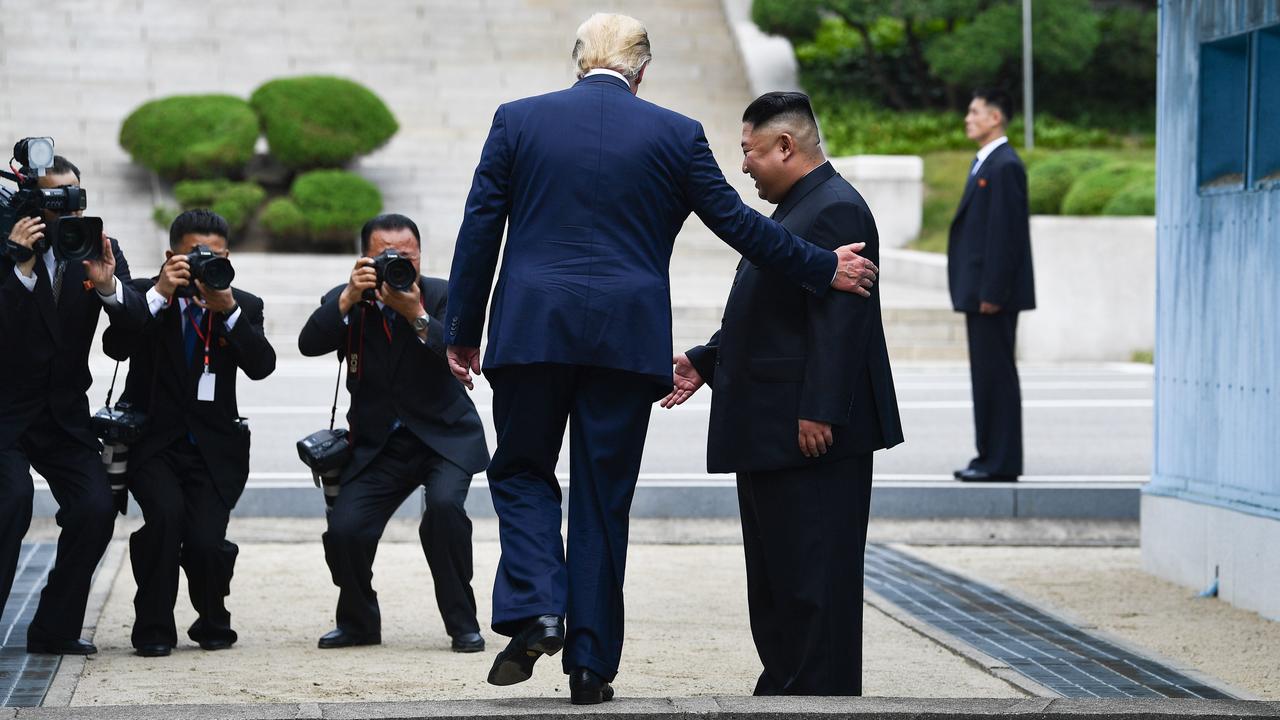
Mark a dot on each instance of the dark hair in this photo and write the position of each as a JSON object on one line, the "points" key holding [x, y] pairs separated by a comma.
{"points": [[199, 222], [61, 166], [775, 104], [998, 99], [389, 221]]}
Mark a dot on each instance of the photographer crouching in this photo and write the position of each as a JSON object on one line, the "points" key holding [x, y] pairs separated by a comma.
{"points": [[54, 284], [191, 462], [411, 425]]}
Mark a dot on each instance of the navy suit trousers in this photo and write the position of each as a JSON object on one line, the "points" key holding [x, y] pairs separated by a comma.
{"points": [[997, 395], [608, 414]]}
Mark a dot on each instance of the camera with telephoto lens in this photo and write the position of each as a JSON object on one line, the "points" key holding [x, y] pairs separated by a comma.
{"points": [[72, 238], [118, 428], [326, 452], [393, 269], [209, 268]]}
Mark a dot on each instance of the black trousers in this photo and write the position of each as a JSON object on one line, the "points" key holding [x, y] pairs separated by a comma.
{"points": [[607, 412], [997, 396], [86, 515], [360, 514], [804, 532], [184, 524]]}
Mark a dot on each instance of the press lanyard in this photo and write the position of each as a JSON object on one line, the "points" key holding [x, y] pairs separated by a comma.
{"points": [[205, 336]]}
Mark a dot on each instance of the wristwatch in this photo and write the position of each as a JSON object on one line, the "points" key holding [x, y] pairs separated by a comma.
{"points": [[421, 322]]}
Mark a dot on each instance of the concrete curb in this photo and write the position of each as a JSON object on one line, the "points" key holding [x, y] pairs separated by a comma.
{"points": [[711, 708], [63, 685]]}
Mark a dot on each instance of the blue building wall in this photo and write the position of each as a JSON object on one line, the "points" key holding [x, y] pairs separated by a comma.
{"points": [[1218, 278]]}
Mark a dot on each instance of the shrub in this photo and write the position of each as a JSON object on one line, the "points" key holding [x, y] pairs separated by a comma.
{"points": [[284, 220], [1137, 199], [319, 121], [234, 201], [325, 207], [1049, 179], [191, 136], [1094, 189]]}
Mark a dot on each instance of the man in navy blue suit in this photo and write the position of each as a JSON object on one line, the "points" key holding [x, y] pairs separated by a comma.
{"points": [[592, 185], [989, 268]]}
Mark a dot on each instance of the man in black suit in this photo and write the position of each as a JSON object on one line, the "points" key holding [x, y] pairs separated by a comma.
{"points": [[191, 465], [49, 312], [412, 426], [803, 397], [989, 268]]}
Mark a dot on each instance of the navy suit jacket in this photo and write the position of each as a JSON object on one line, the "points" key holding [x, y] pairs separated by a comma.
{"points": [[782, 355], [989, 253], [592, 184]]}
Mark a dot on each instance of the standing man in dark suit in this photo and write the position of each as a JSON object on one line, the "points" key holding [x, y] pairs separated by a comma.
{"points": [[49, 312], [192, 462], [412, 426], [803, 397], [989, 268], [591, 184]]}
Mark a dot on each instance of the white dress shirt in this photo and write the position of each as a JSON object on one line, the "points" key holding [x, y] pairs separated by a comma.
{"points": [[607, 71], [986, 151], [157, 302], [114, 299]]}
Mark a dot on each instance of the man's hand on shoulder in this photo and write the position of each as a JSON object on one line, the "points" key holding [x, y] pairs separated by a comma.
{"points": [[685, 381], [854, 273]]}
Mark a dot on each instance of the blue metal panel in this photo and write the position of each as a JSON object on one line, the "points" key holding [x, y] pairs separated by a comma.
{"points": [[1218, 290], [1265, 168]]}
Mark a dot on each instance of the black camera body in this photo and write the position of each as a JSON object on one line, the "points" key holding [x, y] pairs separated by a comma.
{"points": [[209, 268], [326, 452], [118, 428], [394, 270], [72, 238]]}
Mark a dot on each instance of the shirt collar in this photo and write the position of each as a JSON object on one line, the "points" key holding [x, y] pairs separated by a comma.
{"points": [[990, 147], [607, 71]]}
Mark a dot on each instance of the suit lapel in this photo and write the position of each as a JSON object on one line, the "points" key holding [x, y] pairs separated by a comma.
{"points": [[44, 300], [972, 183], [802, 188]]}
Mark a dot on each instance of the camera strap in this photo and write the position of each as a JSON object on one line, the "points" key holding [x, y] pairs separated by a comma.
{"points": [[205, 336], [333, 412], [112, 390]]}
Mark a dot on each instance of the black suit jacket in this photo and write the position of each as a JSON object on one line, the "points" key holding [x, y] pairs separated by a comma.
{"points": [[989, 252], [402, 379], [163, 384], [45, 356], [783, 354]]}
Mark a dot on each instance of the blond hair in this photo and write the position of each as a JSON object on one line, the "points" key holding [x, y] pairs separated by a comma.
{"points": [[615, 42]]}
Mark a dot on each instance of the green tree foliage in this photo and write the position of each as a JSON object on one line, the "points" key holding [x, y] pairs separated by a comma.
{"points": [[191, 136], [1049, 180], [1095, 189]]}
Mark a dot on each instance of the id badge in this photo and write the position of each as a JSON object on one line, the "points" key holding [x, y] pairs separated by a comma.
{"points": [[204, 392]]}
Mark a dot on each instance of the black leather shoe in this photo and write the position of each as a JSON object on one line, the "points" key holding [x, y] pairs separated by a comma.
{"points": [[971, 475], [61, 647], [468, 643], [217, 644], [542, 636], [588, 688], [339, 638], [157, 650]]}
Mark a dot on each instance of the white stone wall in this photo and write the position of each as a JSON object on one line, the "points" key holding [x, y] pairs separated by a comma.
{"points": [[893, 186]]}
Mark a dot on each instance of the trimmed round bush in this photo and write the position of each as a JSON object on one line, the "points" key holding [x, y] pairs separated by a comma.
{"points": [[1094, 189], [234, 201], [324, 208], [320, 121], [284, 220], [1139, 198], [191, 136], [1050, 178]]}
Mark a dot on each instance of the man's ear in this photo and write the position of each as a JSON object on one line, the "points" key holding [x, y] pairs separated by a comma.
{"points": [[787, 144], [635, 85], [168, 254]]}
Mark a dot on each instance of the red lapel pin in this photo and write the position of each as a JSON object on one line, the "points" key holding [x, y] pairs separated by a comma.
{"points": [[982, 182], [88, 285]]}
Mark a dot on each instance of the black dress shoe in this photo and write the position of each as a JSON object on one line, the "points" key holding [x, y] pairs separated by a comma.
{"points": [[156, 650], [588, 688], [339, 638], [971, 475], [542, 636], [468, 643], [61, 647], [217, 644]]}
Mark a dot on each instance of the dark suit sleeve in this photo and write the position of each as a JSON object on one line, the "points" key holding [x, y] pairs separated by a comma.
{"points": [[761, 240], [703, 358], [475, 255], [17, 305], [121, 338], [132, 313], [1007, 232], [437, 309], [839, 324], [248, 341], [324, 332]]}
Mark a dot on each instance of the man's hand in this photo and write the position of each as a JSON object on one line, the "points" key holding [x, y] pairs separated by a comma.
{"points": [[987, 308], [102, 272], [27, 232], [815, 438], [219, 301], [363, 277], [462, 362], [175, 273], [406, 302], [685, 381], [854, 273]]}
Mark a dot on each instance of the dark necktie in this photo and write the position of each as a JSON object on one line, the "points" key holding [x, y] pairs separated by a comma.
{"points": [[390, 315], [59, 270], [194, 315]]}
